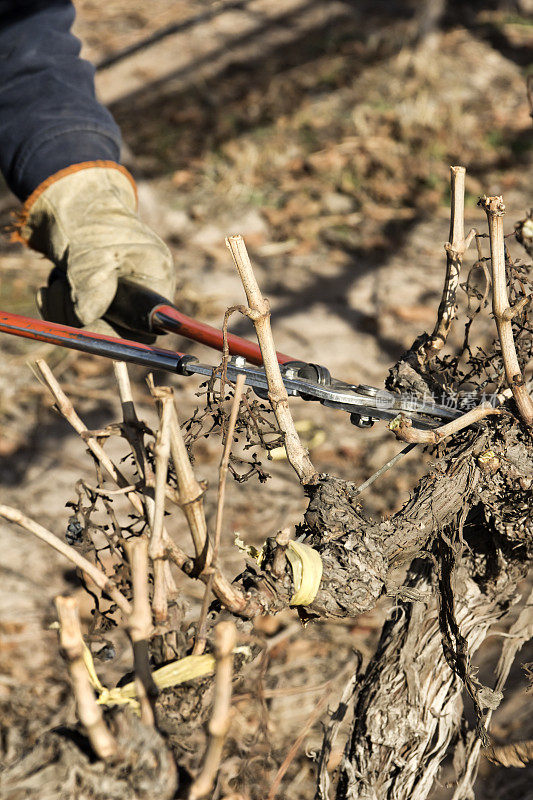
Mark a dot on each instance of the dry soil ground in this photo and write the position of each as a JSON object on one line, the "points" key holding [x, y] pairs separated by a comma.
{"points": [[324, 135]]}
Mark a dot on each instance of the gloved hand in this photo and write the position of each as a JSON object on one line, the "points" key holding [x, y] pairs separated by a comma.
{"points": [[84, 220]]}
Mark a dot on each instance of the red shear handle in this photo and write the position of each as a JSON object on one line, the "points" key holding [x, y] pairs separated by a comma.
{"points": [[95, 343], [139, 309]]}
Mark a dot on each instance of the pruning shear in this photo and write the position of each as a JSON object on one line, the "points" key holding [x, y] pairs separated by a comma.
{"points": [[142, 311]]}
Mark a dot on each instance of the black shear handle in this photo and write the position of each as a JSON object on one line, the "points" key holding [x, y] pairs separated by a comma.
{"points": [[134, 307]]}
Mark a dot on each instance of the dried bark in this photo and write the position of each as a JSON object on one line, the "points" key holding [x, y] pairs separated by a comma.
{"points": [[62, 765], [361, 557], [410, 700]]}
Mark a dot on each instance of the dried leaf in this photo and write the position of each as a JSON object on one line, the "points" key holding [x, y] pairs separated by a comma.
{"points": [[306, 566]]}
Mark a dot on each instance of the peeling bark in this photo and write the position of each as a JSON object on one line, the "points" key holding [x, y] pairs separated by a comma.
{"points": [[410, 703]]}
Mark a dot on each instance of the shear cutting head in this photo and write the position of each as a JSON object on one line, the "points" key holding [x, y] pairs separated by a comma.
{"points": [[365, 404]]}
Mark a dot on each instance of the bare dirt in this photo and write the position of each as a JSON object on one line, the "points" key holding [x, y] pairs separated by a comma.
{"points": [[324, 135]]}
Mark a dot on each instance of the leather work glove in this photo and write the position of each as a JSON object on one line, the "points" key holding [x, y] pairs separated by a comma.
{"points": [[84, 220]]}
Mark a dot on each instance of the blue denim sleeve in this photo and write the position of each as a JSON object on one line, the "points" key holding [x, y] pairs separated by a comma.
{"points": [[49, 115]]}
